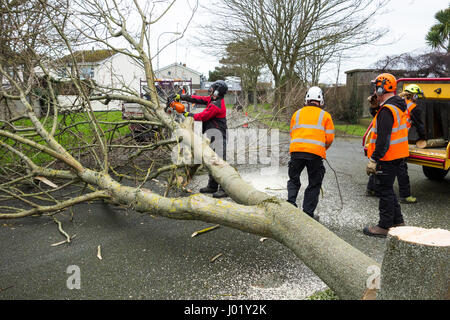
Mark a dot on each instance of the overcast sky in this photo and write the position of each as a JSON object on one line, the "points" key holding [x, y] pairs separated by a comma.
{"points": [[408, 20]]}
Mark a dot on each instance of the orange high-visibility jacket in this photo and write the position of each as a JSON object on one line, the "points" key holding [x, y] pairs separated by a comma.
{"points": [[398, 145], [312, 131], [410, 107]]}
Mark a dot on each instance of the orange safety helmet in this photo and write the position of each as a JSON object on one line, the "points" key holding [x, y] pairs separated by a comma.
{"points": [[384, 83]]}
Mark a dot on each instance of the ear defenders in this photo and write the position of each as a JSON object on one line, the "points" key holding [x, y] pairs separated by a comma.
{"points": [[213, 91], [380, 88]]}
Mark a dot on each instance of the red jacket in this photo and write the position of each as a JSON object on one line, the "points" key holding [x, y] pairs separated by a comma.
{"points": [[215, 113]]}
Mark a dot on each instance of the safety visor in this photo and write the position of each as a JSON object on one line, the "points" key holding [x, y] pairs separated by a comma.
{"points": [[420, 94], [373, 86]]}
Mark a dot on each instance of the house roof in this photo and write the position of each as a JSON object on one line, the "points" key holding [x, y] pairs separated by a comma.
{"points": [[178, 66], [377, 70], [360, 70], [90, 56]]}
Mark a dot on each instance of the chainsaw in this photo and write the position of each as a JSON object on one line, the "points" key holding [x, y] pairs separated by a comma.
{"points": [[173, 105]]}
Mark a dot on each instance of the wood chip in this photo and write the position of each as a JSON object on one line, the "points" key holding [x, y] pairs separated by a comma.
{"points": [[204, 230], [216, 257], [62, 242], [46, 181], [99, 253]]}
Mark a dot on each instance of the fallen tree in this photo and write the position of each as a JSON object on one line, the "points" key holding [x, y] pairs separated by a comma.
{"points": [[342, 267]]}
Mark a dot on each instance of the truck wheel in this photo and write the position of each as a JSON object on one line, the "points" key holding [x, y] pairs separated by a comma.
{"points": [[434, 173]]}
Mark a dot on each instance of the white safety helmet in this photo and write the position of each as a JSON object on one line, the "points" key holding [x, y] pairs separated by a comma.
{"points": [[315, 93]]}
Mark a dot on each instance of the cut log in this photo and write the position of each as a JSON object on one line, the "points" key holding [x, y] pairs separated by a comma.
{"points": [[421, 144], [435, 143], [416, 265]]}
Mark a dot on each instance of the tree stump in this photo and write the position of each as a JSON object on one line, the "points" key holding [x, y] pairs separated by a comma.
{"points": [[416, 265]]}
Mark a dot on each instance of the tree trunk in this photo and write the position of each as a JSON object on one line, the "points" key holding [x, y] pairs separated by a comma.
{"points": [[416, 264], [341, 266]]}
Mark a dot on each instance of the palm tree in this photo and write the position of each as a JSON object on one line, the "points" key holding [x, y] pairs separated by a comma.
{"points": [[439, 34]]}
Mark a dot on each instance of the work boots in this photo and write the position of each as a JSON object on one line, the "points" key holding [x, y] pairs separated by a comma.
{"points": [[375, 231], [408, 200], [216, 193], [208, 189], [220, 194]]}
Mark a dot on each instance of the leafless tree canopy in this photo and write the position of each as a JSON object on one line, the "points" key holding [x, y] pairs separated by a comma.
{"points": [[432, 64], [293, 33], [243, 59]]}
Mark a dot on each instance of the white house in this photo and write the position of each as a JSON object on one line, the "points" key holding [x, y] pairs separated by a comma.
{"points": [[108, 69], [180, 71], [233, 83], [112, 70]]}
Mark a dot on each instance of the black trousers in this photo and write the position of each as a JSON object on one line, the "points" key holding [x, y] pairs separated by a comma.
{"points": [[316, 172], [404, 185], [389, 208], [221, 150]]}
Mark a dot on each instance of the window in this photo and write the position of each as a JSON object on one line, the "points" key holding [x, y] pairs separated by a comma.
{"points": [[87, 73], [63, 73]]}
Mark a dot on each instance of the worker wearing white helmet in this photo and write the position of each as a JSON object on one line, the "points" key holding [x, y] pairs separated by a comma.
{"points": [[312, 133]]}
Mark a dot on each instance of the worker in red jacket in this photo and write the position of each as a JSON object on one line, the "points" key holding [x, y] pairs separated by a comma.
{"points": [[214, 117]]}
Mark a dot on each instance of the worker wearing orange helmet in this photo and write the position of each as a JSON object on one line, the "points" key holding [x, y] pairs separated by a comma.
{"points": [[388, 146], [411, 94], [312, 133]]}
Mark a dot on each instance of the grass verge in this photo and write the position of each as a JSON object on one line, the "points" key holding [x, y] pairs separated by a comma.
{"points": [[323, 295], [351, 129], [74, 131]]}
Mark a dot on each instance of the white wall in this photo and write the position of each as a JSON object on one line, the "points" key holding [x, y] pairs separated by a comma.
{"points": [[67, 102], [178, 71], [119, 71]]}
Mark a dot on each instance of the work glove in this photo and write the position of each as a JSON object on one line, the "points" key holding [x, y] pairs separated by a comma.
{"points": [[174, 97], [371, 167], [373, 101], [188, 114]]}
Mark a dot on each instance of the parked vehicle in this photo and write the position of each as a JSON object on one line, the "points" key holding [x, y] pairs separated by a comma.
{"points": [[133, 111]]}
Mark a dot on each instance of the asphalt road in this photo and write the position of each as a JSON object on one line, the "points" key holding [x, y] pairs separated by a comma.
{"points": [[146, 257]]}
